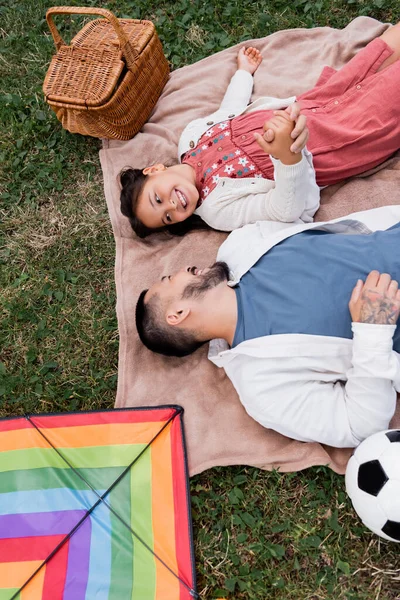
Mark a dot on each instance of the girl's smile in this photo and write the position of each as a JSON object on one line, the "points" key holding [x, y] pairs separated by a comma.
{"points": [[169, 195]]}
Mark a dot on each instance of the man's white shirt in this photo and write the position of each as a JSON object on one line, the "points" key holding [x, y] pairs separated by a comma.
{"points": [[331, 390]]}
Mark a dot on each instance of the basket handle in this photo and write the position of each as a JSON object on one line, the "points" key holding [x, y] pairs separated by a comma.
{"points": [[129, 52]]}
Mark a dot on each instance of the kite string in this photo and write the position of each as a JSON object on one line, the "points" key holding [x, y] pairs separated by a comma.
{"points": [[101, 498]]}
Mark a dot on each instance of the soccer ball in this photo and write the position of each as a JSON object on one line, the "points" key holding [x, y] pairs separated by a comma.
{"points": [[373, 483]]}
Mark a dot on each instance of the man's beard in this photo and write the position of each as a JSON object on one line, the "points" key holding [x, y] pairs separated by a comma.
{"points": [[218, 273]]}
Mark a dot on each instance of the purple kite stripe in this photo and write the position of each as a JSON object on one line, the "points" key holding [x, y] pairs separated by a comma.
{"points": [[34, 524], [57, 523], [78, 562]]}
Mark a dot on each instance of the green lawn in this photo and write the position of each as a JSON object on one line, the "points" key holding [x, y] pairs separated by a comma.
{"points": [[258, 535]]}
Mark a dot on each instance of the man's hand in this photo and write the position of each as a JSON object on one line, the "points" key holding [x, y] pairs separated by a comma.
{"points": [[282, 126], [300, 132], [375, 301]]}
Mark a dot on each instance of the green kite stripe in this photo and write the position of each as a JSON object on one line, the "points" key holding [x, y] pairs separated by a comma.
{"points": [[144, 567], [121, 574], [6, 594], [90, 457], [50, 478]]}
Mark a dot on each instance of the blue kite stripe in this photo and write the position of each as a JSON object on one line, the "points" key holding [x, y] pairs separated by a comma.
{"points": [[100, 555], [33, 501]]}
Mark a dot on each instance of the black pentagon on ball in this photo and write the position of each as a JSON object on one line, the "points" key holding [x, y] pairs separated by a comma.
{"points": [[371, 477], [392, 529], [393, 436]]}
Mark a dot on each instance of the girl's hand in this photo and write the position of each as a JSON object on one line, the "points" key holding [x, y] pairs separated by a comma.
{"points": [[300, 132], [375, 301], [281, 126], [249, 59]]}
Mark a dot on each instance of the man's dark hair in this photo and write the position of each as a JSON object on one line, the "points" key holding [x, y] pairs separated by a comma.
{"points": [[132, 183], [157, 335]]}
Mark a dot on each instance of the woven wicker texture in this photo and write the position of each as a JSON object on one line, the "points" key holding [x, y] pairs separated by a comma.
{"points": [[107, 81], [83, 76]]}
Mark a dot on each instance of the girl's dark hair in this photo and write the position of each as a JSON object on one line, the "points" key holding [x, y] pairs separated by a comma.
{"points": [[132, 182]]}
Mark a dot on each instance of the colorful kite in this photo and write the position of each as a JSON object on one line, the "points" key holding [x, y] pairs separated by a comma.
{"points": [[95, 505]]}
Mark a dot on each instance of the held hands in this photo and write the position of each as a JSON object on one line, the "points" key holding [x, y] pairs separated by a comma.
{"points": [[300, 132], [277, 139], [375, 301]]}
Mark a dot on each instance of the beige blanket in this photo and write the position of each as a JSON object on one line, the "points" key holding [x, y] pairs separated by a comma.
{"points": [[218, 430]]}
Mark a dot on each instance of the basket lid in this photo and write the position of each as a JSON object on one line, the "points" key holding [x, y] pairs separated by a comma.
{"points": [[100, 31], [83, 76]]}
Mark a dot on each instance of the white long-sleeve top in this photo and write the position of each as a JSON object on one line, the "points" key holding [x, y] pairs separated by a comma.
{"points": [[331, 390], [292, 196]]}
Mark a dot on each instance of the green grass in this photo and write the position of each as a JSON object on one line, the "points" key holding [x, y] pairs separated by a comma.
{"points": [[258, 535]]}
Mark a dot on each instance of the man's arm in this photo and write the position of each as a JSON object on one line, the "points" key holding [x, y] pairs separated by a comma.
{"points": [[316, 407], [374, 305]]}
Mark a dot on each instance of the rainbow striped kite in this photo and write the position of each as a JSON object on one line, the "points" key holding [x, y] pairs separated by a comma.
{"points": [[95, 505]]}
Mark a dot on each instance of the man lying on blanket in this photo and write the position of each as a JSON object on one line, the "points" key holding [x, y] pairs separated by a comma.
{"points": [[304, 360]]}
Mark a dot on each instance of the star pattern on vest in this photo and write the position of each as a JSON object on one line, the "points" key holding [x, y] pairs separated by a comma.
{"points": [[216, 156]]}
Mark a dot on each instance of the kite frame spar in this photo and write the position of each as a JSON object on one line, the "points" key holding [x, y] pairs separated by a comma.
{"points": [[176, 413]]}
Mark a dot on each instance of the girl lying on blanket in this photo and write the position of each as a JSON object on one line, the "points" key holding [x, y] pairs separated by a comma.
{"points": [[246, 163]]}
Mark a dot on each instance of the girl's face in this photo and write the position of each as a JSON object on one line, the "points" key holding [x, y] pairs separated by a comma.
{"points": [[169, 196]]}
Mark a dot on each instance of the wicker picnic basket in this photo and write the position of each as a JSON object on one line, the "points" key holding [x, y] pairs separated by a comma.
{"points": [[107, 81]]}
